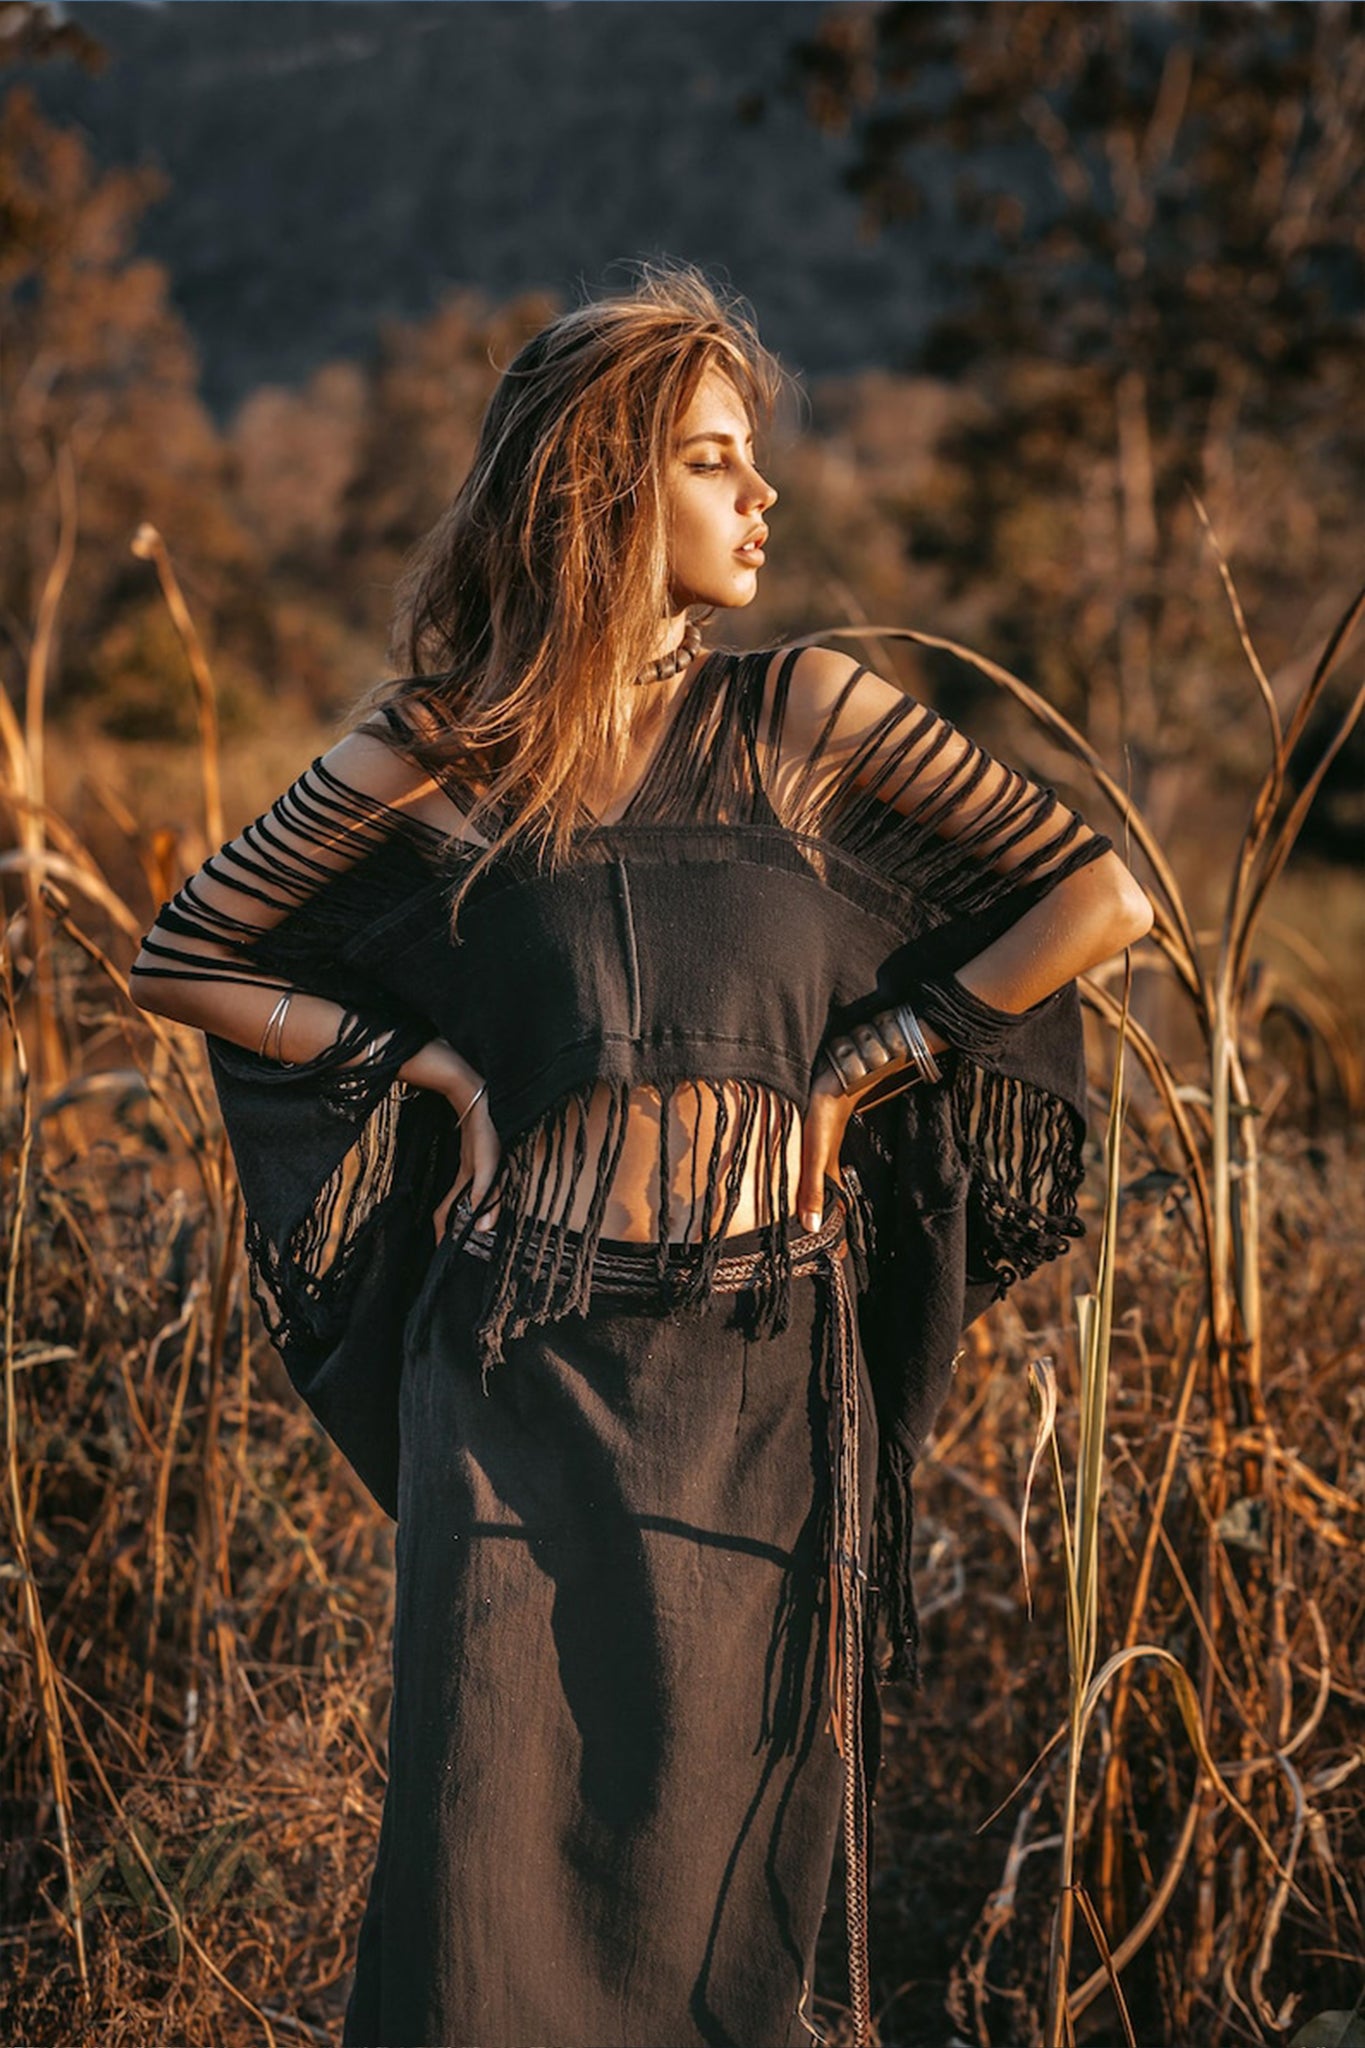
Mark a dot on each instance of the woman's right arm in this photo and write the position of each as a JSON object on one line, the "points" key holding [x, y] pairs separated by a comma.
{"points": [[199, 962]]}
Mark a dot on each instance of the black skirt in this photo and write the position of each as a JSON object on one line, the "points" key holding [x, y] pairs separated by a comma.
{"points": [[615, 1790]]}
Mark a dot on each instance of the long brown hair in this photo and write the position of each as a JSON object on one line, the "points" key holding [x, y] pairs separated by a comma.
{"points": [[524, 616]]}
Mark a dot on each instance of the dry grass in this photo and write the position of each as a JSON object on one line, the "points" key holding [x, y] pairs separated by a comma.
{"points": [[965, 1902], [215, 1598], [196, 1628], [215, 1590]]}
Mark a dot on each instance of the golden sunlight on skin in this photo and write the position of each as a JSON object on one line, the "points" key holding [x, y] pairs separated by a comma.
{"points": [[717, 499], [632, 1206], [717, 502]]}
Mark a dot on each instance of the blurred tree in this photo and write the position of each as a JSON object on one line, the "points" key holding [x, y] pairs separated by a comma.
{"points": [[1155, 277], [33, 30], [430, 382], [297, 454], [338, 480], [93, 358]]}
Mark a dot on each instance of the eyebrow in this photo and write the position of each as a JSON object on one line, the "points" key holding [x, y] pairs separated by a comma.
{"points": [[729, 439]]}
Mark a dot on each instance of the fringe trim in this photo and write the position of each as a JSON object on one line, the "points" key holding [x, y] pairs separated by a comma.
{"points": [[302, 1287], [1026, 1154], [542, 1266], [892, 1576]]}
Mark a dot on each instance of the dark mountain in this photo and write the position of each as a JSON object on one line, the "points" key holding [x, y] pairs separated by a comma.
{"points": [[333, 162]]}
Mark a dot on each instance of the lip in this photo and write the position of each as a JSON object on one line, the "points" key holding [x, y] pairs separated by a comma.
{"points": [[752, 549]]}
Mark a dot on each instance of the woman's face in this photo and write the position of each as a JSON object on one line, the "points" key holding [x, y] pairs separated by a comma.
{"points": [[716, 500]]}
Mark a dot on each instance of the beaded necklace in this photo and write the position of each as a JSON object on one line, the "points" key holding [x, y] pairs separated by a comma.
{"points": [[678, 657]]}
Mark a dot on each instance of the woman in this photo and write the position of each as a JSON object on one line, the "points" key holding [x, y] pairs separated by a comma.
{"points": [[719, 1013]]}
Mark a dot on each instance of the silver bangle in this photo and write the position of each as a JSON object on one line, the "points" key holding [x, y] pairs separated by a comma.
{"points": [[913, 1032], [274, 1025], [480, 1091]]}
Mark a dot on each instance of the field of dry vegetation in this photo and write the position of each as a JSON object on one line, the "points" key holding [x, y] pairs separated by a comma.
{"points": [[195, 1638], [1135, 1813]]}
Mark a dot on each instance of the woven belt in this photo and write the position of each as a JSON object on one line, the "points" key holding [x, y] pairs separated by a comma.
{"points": [[635, 1272]]}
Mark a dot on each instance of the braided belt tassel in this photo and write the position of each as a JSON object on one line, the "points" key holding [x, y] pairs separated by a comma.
{"points": [[846, 1643]]}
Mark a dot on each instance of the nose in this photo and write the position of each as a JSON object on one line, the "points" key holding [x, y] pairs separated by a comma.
{"points": [[762, 493]]}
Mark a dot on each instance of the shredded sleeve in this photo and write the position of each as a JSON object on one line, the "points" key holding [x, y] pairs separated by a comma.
{"points": [[968, 841], [278, 908], [965, 845], [339, 1162]]}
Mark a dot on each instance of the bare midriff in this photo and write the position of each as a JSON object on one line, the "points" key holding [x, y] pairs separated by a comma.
{"points": [[694, 1111]]}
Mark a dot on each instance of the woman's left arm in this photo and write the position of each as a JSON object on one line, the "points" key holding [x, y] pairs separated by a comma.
{"points": [[1085, 919], [1087, 904], [1089, 917]]}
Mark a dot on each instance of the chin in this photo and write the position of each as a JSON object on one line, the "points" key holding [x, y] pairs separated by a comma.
{"points": [[726, 594], [736, 595]]}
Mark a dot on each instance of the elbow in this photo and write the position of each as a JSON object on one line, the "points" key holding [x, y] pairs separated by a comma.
{"points": [[141, 990], [1131, 910], [145, 987], [1144, 916]]}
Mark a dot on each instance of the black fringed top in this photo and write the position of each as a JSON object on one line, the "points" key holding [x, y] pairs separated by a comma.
{"points": [[787, 867]]}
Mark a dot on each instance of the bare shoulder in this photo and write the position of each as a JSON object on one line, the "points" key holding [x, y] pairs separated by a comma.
{"points": [[376, 767], [827, 682]]}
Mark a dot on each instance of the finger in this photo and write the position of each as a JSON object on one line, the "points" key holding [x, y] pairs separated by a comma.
{"points": [[871, 1046], [441, 1215], [846, 1057], [486, 1216], [893, 1035], [810, 1193]]}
